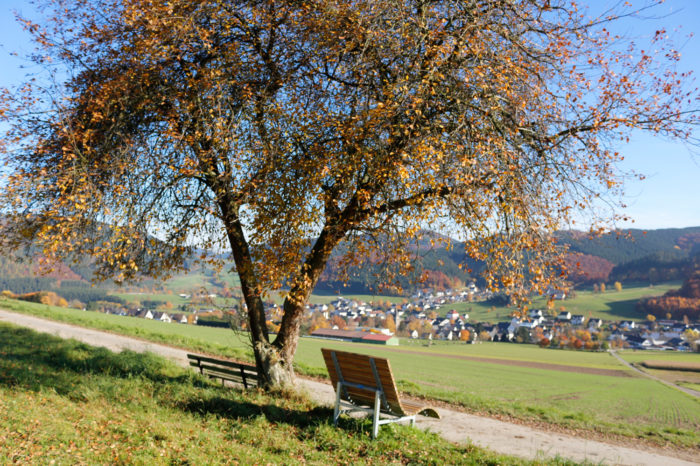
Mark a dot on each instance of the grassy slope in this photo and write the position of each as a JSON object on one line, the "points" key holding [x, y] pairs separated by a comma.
{"points": [[66, 402], [630, 406], [611, 305]]}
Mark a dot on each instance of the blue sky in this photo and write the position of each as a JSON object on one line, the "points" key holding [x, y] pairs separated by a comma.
{"points": [[669, 197]]}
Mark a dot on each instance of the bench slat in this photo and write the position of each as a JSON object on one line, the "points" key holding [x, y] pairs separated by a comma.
{"points": [[357, 369], [224, 369]]}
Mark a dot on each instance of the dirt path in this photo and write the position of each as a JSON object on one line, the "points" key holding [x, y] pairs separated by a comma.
{"points": [[689, 391], [503, 437]]}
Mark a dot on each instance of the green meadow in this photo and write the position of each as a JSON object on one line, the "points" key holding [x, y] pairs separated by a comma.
{"points": [[609, 305], [567, 388], [69, 403]]}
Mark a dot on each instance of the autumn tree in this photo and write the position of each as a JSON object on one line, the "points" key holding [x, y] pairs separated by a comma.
{"points": [[281, 131], [389, 323]]}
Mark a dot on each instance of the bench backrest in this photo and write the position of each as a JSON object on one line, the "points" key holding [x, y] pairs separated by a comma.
{"points": [[226, 370], [362, 370]]}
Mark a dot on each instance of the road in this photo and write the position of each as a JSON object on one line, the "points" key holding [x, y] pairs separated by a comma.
{"points": [[455, 426]]}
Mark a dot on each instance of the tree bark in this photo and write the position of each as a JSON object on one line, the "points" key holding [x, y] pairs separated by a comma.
{"points": [[288, 337]]}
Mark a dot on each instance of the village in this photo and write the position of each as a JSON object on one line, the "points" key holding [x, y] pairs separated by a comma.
{"points": [[426, 316]]}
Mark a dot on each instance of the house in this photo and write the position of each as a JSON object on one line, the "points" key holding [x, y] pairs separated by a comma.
{"points": [[636, 341], [578, 319], [595, 323], [564, 316], [492, 331], [145, 314], [162, 316], [503, 333], [628, 324], [179, 318], [676, 344]]}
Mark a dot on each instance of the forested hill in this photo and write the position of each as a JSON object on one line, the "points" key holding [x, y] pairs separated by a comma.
{"points": [[627, 256], [631, 245], [650, 256]]}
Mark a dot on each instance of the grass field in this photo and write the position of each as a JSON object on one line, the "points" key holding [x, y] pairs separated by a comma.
{"points": [[491, 377], [611, 305], [670, 358], [68, 403]]}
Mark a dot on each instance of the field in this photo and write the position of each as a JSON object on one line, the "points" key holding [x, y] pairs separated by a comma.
{"points": [[68, 403], [580, 390], [671, 359], [610, 305]]}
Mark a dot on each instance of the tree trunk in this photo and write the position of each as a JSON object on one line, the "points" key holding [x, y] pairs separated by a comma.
{"points": [[288, 337], [275, 361]]}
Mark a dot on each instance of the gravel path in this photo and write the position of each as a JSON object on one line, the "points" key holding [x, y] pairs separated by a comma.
{"points": [[503, 437]]}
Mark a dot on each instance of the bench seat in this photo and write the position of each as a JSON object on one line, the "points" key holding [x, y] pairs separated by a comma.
{"points": [[365, 383]]}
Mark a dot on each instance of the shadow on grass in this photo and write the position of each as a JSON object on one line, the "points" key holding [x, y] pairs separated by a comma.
{"points": [[34, 361], [306, 421], [625, 309], [37, 361], [242, 409]]}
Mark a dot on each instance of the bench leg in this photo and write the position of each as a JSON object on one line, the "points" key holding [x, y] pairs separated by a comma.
{"points": [[375, 420], [336, 411]]}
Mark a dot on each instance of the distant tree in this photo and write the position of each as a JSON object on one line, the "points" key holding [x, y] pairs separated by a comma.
{"points": [[618, 286], [651, 317], [282, 131], [390, 324], [337, 321], [522, 335], [602, 287], [464, 335]]}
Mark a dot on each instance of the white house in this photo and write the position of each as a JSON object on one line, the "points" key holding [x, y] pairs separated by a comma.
{"points": [[578, 319]]}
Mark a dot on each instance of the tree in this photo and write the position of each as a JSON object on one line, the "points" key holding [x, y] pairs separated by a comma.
{"points": [[389, 323], [618, 286], [281, 131], [337, 321]]}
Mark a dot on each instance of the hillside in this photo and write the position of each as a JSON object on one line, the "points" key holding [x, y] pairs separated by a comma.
{"points": [[624, 246], [683, 303], [627, 256]]}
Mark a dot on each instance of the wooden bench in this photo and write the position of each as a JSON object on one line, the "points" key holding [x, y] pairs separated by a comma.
{"points": [[365, 383], [231, 371]]}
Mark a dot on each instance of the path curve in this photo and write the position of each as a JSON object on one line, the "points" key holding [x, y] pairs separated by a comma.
{"points": [[499, 436], [689, 391]]}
